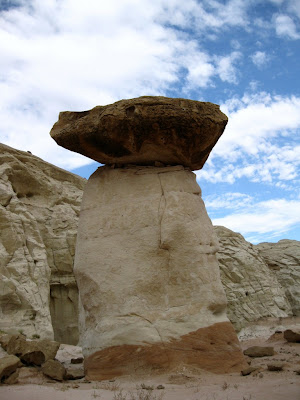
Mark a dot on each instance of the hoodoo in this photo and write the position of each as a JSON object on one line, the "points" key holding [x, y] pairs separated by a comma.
{"points": [[146, 267]]}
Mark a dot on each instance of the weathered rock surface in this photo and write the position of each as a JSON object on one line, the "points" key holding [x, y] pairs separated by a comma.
{"points": [[27, 375], [275, 366], [39, 208], [143, 130], [73, 373], [148, 276], [292, 335], [283, 259], [32, 351], [8, 366], [253, 290], [248, 371], [54, 369], [259, 351]]}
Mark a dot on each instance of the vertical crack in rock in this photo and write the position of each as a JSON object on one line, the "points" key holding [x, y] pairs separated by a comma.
{"points": [[161, 212], [162, 245]]}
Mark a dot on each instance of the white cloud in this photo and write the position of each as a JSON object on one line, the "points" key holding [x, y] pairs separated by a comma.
{"points": [[254, 85], [277, 2], [285, 27], [226, 67], [232, 201], [255, 119], [259, 142], [208, 14], [199, 66], [258, 220], [294, 7], [259, 58]]}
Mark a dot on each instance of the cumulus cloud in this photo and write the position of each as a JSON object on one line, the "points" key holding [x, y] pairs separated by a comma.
{"points": [[231, 200], [256, 118], [285, 27], [226, 67], [294, 7], [256, 220], [259, 58], [259, 142]]}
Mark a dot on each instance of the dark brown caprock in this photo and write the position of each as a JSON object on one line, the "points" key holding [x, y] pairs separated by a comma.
{"points": [[143, 130]]}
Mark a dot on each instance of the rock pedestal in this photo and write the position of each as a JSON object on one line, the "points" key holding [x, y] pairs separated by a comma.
{"points": [[145, 263], [148, 275]]}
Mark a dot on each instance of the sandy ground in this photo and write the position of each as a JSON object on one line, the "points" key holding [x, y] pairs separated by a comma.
{"points": [[181, 385]]}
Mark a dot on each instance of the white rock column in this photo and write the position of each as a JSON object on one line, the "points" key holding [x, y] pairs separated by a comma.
{"points": [[148, 276]]}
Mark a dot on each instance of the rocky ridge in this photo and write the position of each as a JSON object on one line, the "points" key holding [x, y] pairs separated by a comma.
{"points": [[253, 289], [283, 259], [39, 209]]}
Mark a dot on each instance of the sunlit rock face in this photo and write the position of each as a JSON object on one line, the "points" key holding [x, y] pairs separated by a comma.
{"points": [[283, 259], [254, 290], [148, 277], [39, 209]]}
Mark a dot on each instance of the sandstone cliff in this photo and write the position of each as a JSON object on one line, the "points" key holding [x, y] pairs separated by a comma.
{"points": [[283, 259], [260, 281], [39, 209]]}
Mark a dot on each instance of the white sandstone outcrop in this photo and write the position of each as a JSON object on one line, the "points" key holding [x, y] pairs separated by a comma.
{"points": [[283, 259], [39, 209], [253, 290]]}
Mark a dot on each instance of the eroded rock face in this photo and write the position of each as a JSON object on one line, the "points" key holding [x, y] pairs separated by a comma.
{"points": [[39, 209], [283, 259], [148, 276], [30, 351], [54, 369], [8, 365], [253, 290], [292, 336], [143, 131]]}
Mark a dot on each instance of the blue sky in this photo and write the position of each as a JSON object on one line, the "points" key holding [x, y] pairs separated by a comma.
{"points": [[241, 54]]}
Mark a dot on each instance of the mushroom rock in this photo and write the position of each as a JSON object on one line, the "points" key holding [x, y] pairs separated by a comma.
{"points": [[148, 277]]}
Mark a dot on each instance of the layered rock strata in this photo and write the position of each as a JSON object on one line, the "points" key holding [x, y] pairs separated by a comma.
{"points": [[145, 264], [39, 209], [283, 259], [253, 290]]}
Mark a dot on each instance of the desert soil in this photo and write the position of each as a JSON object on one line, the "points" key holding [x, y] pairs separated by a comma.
{"points": [[262, 384]]}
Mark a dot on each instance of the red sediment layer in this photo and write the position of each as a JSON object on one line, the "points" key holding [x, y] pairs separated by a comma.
{"points": [[215, 349]]}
